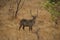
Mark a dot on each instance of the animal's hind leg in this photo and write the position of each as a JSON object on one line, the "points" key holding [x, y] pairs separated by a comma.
{"points": [[23, 27], [30, 28], [20, 27]]}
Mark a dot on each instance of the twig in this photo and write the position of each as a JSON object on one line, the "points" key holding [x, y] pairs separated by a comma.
{"points": [[18, 3], [37, 34]]}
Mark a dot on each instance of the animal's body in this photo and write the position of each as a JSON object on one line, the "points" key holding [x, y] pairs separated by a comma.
{"points": [[26, 23]]}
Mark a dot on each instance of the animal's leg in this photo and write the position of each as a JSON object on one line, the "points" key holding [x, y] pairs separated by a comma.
{"points": [[20, 27], [23, 27], [30, 28]]}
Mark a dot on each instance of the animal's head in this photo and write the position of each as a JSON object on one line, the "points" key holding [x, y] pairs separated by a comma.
{"points": [[34, 16]]}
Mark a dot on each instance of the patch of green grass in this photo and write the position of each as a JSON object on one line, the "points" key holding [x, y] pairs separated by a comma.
{"points": [[51, 7]]}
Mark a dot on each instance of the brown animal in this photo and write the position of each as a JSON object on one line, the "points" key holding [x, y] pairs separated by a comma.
{"points": [[28, 23]]}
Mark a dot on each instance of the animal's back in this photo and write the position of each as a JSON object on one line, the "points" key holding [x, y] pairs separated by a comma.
{"points": [[24, 22]]}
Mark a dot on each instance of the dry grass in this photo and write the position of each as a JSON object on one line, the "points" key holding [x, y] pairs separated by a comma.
{"points": [[9, 27]]}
